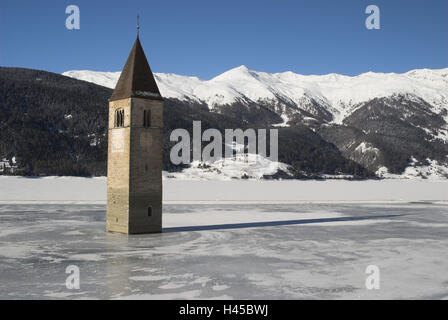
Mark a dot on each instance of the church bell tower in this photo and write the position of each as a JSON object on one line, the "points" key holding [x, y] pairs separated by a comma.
{"points": [[134, 155]]}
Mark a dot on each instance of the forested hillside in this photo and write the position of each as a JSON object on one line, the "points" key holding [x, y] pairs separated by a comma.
{"points": [[56, 125]]}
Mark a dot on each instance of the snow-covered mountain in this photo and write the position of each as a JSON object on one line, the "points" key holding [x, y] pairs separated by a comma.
{"points": [[387, 122], [328, 98]]}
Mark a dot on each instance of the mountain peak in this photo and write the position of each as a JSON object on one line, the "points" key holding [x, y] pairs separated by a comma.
{"points": [[241, 68], [234, 73]]}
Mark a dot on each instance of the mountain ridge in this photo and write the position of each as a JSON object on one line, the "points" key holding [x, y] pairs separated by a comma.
{"points": [[54, 124], [379, 120], [288, 93]]}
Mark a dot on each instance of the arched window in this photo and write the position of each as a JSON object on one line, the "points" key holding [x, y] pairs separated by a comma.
{"points": [[147, 118], [119, 118]]}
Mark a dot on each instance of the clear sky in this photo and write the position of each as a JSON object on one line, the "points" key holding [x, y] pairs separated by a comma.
{"points": [[207, 37]]}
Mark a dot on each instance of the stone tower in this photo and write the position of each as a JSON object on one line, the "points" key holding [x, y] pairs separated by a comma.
{"points": [[134, 155]]}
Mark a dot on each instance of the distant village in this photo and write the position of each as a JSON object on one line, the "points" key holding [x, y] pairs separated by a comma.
{"points": [[8, 166]]}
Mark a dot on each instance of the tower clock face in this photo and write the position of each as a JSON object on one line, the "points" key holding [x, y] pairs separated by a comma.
{"points": [[118, 140]]}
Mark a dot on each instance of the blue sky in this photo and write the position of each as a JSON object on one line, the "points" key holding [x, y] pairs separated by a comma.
{"points": [[206, 38]]}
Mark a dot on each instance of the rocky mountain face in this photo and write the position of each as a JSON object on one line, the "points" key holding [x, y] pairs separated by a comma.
{"points": [[384, 122]]}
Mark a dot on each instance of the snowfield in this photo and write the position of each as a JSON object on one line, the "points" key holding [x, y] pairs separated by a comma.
{"points": [[433, 170], [339, 93], [246, 166], [15, 189]]}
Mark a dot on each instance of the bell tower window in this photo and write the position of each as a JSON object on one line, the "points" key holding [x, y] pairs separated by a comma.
{"points": [[147, 118], [119, 118]]}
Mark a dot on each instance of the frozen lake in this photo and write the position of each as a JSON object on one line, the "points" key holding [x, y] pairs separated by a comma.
{"points": [[228, 251], [93, 190]]}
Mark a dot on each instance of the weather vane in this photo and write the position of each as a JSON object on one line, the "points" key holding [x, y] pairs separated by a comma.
{"points": [[138, 25]]}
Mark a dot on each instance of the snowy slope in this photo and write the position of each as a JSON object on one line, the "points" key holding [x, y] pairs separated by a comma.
{"points": [[338, 94], [247, 166], [432, 170], [106, 79]]}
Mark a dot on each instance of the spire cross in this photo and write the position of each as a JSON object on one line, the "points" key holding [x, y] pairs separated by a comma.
{"points": [[138, 25]]}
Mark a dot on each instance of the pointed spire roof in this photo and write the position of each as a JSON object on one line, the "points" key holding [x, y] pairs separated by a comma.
{"points": [[136, 79]]}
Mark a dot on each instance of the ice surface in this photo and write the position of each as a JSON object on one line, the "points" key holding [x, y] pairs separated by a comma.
{"points": [[15, 189], [228, 251], [228, 239]]}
